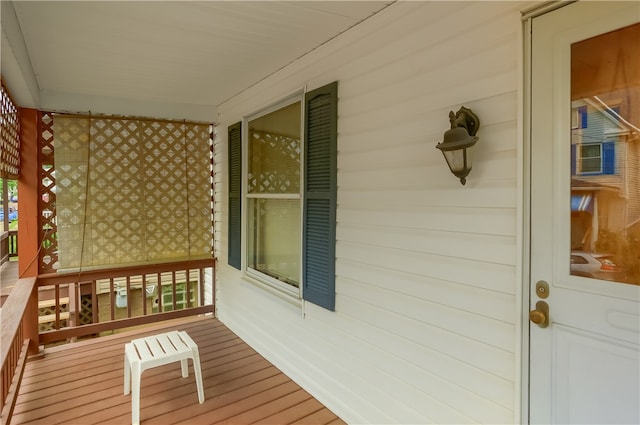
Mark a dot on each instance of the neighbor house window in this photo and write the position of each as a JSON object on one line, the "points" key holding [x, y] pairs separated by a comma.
{"points": [[591, 158], [289, 200], [597, 158]]}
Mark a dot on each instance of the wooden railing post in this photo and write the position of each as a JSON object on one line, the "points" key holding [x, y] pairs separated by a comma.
{"points": [[30, 322]]}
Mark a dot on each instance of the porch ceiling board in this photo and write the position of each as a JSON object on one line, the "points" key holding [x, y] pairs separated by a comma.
{"points": [[180, 52], [83, 383]]}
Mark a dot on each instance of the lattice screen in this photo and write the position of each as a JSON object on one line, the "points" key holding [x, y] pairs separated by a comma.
{"points": [[131, 190], [10, 140], [48, 261]]}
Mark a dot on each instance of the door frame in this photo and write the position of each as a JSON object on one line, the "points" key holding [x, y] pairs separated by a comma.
{"points": [[524, 201]]}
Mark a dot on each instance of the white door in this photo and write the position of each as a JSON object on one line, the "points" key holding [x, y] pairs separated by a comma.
{"points": [[585, 214]]}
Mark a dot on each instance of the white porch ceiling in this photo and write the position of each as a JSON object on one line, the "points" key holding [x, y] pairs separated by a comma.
{"points": [[191, 53]]}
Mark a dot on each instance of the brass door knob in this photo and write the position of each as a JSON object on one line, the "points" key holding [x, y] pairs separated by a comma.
{"points": [[537, 317], [540, 316]]}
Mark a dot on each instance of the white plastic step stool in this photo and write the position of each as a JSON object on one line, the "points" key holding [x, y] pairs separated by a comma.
{"points": [[157, 350]]}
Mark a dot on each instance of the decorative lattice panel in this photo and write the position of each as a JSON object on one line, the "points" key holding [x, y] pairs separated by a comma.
{"points": [[71, 135], [166, 189], [86, 310], [199, 186], [47, 317], [132, 190], [48, 260], [10, 140]]}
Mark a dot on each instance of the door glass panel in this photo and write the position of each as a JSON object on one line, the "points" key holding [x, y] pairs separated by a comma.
{"points": [[605, 156]]}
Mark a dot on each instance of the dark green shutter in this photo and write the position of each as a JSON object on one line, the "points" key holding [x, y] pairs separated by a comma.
{"points": [[235, 180], [320, 193]]}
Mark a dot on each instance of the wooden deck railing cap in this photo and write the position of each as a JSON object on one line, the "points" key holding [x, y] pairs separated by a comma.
{"points": [[12, 313]]}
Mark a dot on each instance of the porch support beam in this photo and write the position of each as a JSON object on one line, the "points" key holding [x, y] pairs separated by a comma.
{"points": [[28, 184]]}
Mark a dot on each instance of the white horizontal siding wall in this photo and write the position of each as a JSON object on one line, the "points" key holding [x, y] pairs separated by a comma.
{"points": [[425, 327]]}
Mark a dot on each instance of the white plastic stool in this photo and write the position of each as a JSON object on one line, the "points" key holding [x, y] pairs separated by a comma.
{"points": [[157, 350]]}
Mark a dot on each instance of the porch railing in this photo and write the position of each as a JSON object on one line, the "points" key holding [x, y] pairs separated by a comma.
{"points": [[8, 245], [13, 243], [18, 338], [90, 303]]}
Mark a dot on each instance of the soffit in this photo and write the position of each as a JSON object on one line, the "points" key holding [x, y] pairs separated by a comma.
{"points": [[183, 52]]}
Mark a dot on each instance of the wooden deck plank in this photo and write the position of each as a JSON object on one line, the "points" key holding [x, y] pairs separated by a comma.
{"points": [[225, 404], [294, 413], [260, 412], [82, 383], [320, 416]]}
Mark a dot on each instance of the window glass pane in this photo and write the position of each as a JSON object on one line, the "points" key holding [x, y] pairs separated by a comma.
{"points": [[274, 238], [605, 202], [591, 151], [591, 159], [274, 152]]}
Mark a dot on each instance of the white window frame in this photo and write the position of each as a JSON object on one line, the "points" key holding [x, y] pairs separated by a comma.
{"points": [[249, 273], [582, 158]]}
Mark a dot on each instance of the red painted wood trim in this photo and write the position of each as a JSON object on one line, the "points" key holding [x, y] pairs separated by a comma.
{"points": [[28, 184]]}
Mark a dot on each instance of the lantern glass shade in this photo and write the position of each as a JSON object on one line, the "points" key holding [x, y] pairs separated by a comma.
{"points": [[460, 161], [457, 149]]}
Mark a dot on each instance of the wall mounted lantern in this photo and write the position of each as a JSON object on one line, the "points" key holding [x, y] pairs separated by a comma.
{"points": [[459, 140]]}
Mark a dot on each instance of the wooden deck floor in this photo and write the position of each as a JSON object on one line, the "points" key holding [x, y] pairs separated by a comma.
{"points": [[82, 383]]}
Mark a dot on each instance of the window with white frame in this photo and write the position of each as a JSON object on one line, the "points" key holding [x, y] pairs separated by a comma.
{"points": [[597, 158], [273, 194], [591, 158], [287, 195]]}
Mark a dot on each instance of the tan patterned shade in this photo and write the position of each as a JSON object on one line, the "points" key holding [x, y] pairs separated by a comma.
{"points": [[10, 139], [131, 191]]}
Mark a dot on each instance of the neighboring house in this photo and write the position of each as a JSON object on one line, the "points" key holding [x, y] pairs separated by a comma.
{"points": [[605, 158]]}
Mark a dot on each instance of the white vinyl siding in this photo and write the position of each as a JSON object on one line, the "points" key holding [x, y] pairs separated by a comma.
{"points": [[425, 327]]}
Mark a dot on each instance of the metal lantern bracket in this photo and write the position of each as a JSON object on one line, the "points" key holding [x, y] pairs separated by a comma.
{"points": [[465, 118]]}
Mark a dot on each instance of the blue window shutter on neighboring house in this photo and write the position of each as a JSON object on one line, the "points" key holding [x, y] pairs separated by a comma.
{"points": [[235, 198], [320, 183], [582, 110], [608, 158], [574, 160]]}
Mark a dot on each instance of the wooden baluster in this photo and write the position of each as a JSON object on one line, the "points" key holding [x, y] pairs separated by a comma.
{"points": [[128, 296], [173, 288], [159, 292], [112, 296], [188, 288], [144, 294]]}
